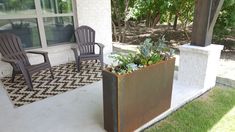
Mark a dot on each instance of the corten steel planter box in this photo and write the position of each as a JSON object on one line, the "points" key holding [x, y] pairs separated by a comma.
{"points": [[133, 99]]}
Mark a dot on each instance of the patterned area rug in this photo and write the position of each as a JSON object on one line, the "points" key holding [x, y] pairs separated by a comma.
{"points": [[66, 78]]}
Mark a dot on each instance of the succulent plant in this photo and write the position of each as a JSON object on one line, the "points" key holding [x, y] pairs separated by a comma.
{"points": [[149, 52], [145, 48]]}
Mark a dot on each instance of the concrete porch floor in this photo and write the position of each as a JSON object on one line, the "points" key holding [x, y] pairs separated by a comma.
{"points": [[77, 110]]}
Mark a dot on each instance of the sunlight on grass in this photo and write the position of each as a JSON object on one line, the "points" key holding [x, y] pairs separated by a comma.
{"points": [[213, 112], [226, 124]]}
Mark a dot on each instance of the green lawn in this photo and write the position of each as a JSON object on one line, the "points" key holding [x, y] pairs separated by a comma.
{"points": [[213, 112]]}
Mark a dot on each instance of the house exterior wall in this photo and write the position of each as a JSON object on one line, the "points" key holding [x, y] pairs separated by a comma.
{"points": [[97, 14], [94, 13]]}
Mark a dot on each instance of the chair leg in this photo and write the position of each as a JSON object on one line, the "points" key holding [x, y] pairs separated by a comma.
{"points": [[13, 76], [102, 63], [27, 76], [78, 64], [28, 80], [52, 75]]}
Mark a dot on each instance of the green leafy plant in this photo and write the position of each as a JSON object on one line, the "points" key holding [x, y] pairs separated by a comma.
{"points": [[125, 63], [149, 52], [225, 24]]}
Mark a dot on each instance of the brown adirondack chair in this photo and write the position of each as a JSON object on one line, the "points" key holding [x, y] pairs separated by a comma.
{"points": [[85, 38], [13, 53]]}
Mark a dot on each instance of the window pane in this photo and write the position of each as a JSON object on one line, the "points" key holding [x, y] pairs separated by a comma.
{"points": [[59, 29], [16, 7], [26, 29], [56, 6]]}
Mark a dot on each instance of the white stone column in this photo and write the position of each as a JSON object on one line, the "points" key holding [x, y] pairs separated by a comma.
{"points": [[198, 65]]}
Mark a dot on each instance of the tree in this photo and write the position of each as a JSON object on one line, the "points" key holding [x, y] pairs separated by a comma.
{"points": [[119, 12], [183, 11], [225, 24], [149, 10], [173, 12]]}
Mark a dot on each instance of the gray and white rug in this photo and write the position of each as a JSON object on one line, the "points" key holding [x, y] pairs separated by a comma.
{"points": [[66, 78]]}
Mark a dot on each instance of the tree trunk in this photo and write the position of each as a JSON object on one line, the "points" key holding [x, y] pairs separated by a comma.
{"points": [[175, 22], [157, 19], [115, 18], [123, 33], [169, 20], [120, 30], [148, 20], [115, 32], [186, 33]]}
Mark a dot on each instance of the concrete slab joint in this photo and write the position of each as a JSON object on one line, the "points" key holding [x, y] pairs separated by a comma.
{"points": [[198, 65]]}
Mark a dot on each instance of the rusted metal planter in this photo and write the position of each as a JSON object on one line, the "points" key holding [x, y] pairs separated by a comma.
{"points": [[132, 100]]}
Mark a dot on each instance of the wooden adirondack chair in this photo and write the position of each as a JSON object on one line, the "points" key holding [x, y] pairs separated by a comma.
{"points": [[85, 38], [13, 53]]}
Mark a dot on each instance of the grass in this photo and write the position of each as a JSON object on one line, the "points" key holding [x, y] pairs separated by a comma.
{"points": [[213, 112]]}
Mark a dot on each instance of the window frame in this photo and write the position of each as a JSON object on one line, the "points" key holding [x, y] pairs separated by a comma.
{"points": [[39, 17]]}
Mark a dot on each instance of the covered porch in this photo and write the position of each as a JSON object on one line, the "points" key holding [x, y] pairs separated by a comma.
{"points": [[77, 110], [80, 109]]}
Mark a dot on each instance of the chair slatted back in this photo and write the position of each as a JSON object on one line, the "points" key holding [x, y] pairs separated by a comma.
{"points": [[85, 35], [11, 48]]}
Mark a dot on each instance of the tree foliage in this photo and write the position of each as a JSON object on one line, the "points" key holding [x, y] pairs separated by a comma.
{"points": [[225, 24], [171, 12], [119, 13], [150, 10]]}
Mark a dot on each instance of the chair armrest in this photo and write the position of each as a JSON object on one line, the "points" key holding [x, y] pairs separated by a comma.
{"points": [[75, 50], [37, 52], [45, 54], [75, 53], [101, 46]]}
